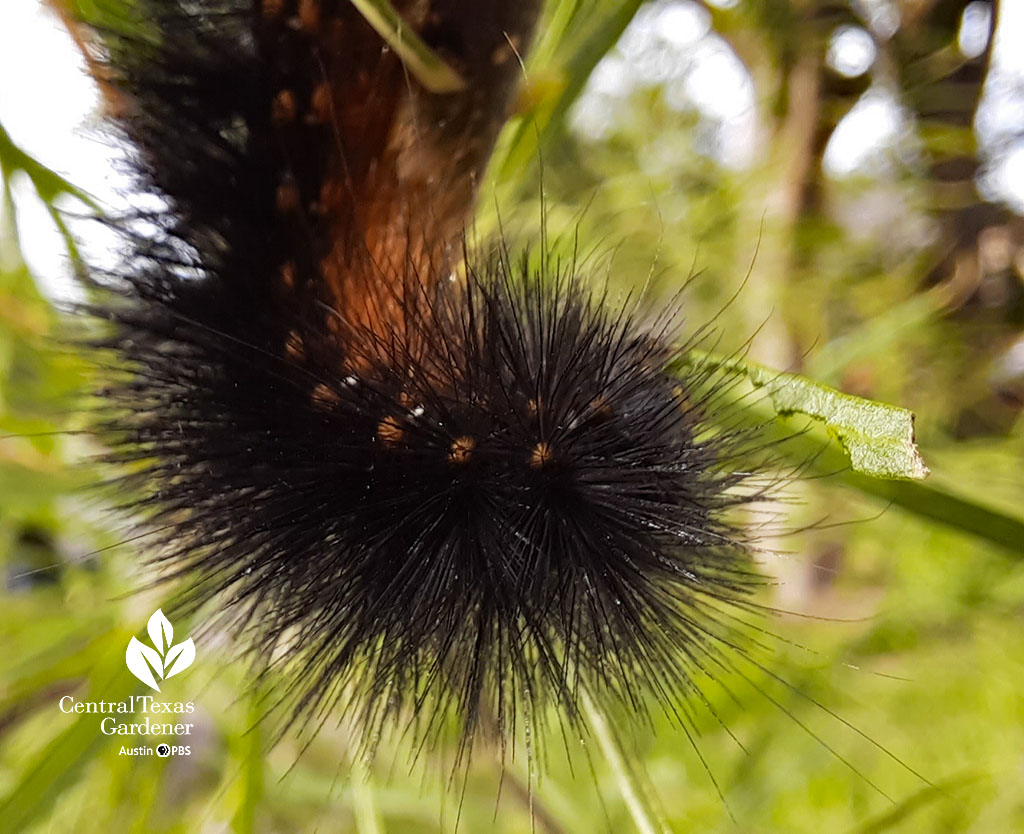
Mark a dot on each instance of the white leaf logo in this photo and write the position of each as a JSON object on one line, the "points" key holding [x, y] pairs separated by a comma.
{"points": [[161, 632], [179, 658], [143, 662], [150, 665]]}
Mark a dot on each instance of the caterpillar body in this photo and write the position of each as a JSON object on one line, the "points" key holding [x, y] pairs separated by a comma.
{"points": [[415, 476]]}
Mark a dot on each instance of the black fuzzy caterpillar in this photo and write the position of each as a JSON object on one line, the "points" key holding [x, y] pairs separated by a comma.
{"points": [[484, 492]]}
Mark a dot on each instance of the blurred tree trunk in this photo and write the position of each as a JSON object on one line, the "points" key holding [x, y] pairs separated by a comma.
{"points": [[942, 88]]}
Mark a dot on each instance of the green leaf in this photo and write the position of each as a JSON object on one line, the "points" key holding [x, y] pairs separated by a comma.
{"points": [[62, 761], [48, 185], [601, 32], [932, 502], [791, 395], [879, 438]]}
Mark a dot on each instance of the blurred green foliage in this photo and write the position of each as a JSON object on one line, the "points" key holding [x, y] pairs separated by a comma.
{"points": [[905, 627]]}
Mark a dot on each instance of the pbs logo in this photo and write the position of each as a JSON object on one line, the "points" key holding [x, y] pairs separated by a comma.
{"points": [[165, 750]]}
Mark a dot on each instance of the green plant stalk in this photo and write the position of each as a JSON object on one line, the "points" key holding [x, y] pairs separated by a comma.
{"points": [[536, 129], [426, 67], [252, 787], [364, 805], [643, 816]]}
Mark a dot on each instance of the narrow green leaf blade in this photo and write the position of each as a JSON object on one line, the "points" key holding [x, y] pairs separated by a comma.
{"points": [[644, 817], [879, 438], [422, 62], [61, 762], [602, 32], [817, 456], [48, 185]]}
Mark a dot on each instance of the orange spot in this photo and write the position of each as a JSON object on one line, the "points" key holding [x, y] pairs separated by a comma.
{"points": [[288, 275], [309, 15], [283, 108], [462, 449], [501, 54], [541, 455], [332, 195], [323, 393], [321, 105], [295, 348], [288, 198], [272, 9], [389, 431]]}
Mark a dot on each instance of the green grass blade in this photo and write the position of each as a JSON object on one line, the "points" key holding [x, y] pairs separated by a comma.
{"points": [[639, 809], [821, 456], [549, 114], [62, 761], [425, 66], [252, 787]]}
